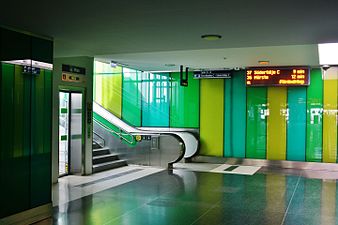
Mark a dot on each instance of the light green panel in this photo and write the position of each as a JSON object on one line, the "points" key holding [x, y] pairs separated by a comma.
{"points": [[112, 93], [314, 119], [330, 115], [228, 151], [211, 117], [256, 122], [184, 102], [276, 123], [131, 97]]}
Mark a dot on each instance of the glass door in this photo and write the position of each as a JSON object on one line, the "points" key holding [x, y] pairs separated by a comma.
{"points": [[70, 133], [64, 133]]}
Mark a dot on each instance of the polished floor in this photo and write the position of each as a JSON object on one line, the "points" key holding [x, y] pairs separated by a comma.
{"points": [[194, 197]]}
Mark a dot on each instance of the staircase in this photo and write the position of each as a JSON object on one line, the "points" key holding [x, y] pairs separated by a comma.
{"points": [[104, 160]]}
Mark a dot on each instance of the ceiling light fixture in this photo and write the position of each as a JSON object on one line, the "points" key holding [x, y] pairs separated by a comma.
{"points": [[211, 37], [264, 62]]}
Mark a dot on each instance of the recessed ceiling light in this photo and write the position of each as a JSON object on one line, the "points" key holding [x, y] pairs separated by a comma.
{"points": [[211, 37], [263, 62]]}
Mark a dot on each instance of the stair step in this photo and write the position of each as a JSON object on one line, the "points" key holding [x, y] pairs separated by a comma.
{"points": [[101, 151], [104, 158], [109, 165]]}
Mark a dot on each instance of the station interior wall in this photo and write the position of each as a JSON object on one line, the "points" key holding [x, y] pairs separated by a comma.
{"points": [[274, 123]]}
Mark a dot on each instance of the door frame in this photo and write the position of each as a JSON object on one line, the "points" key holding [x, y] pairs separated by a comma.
{"points": [[82, 90]]}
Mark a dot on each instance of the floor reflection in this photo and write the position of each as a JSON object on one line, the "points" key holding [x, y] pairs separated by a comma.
{"points": [[186, 197]]}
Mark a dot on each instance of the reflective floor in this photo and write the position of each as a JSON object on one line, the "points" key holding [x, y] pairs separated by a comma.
{"points": [[184, 197]]}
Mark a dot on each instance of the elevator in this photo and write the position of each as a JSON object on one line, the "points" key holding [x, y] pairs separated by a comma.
{"points": [[71, 132]]}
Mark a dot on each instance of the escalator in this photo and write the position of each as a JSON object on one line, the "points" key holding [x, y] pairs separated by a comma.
{"points": [[186, 146]]}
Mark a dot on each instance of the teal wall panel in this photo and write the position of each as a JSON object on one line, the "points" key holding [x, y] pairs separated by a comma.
{"points": [[184, 102], [296, 125], [238, 114], [314, 118], [256, 122], [131, 96], [155, 100], [227, 118]]}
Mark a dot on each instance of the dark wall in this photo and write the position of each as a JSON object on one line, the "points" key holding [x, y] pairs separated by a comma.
{"points": [[25, 124]]}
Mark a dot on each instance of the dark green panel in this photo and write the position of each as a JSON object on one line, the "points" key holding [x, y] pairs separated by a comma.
{"points": [[40, 154], [131, 96], [14, 45], [227, 118], [314, 119], [238, 114], [42, 50], [256, 122], [14, 163], [184, 102]]}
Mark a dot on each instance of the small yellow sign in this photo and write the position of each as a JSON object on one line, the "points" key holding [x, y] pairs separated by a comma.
{"points": [[138, 138]]}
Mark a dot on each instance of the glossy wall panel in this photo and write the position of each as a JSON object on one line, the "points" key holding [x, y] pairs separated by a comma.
{"points": [[14, 185], [238, 113], [211, 117], [276, 123], [184, 102], [256, 122], [330, 115], [25, 121], [296, 124], [131, 96], [155, 100], [228, 151], [314, 118], [40, 142]]}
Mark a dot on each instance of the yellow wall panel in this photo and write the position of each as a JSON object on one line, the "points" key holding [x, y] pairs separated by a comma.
{"points": [[211, 116], [330, 116], [276, 123]]}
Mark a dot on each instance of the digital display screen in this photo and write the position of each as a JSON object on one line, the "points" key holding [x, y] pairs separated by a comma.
{"points": [[278, 76], [213, 74]]}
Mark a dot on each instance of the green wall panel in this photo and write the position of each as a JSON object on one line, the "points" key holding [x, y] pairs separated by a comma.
{"points": [[40, 151], [211, 117], [155, 100], [131, 97], [184, 102], [296, 126], [14, 163], [238, 114], [256, 122], [276, 123], [314, 120], [112, 93], [227, 118]]}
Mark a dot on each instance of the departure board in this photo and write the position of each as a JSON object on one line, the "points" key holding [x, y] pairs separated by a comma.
{"points": [[278, 76]]}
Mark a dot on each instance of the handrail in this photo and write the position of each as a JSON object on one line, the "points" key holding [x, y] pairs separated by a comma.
{"points": [[102, 139], [120, 134]]}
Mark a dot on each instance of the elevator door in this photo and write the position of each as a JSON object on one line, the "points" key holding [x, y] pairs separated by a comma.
{"points": [[70, 133]]}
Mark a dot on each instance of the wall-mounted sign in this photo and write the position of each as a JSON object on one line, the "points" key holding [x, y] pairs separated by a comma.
{"points": [[73, 69], [212, 74], [278, 76], [67, 77], [31, 70]]}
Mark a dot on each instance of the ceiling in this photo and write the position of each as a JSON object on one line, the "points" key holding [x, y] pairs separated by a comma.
{"points": [[151, 33]]}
